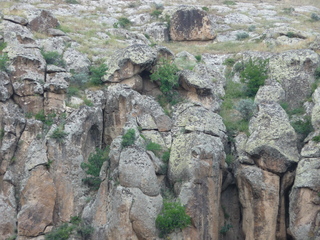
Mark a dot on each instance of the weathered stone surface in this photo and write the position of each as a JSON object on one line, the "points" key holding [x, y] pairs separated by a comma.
{"points": [[237, 18], [131, 38], [16, 34], [136, 170], [16, 19], [272, 141], [189, 117], [194, 168], [259, 198], [43, 22], [56, 83], [129, 61], [315, 114], [270, 93], [189, 23], [76, 61], [304, 200], [294, 70], [158, 32], [37, 203], [5, 87]]}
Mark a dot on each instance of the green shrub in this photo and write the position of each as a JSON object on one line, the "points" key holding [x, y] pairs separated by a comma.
{"points": [[229, 159], [198, 57], [289, 10], [1, 133], [156, 13], [46, 119], [93, 167], [72, 91], [254, 74], [238, 67], [317, 73], [4, 60], [88, 102], [173, 216], [205, 9], [225, 229], [63, 232], [53, 58], [59, 135], [166, 156], [72, 1], [3, 45], [96, 74], [229, 2], [246, 108], [251, 28], [79, 78], [128, 138], [122, 22], [242, 35], [316, 138], [154, 147], [303, 126], [229, 62], [85, 231], [291, 34], [315, 17]]}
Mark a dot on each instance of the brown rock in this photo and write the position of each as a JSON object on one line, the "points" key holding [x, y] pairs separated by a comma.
{"points": [[43, 22], [37, 203], [189, 24]]}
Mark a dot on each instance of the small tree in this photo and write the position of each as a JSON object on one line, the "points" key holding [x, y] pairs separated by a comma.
{"points": [[128, 138], [254, 74]]}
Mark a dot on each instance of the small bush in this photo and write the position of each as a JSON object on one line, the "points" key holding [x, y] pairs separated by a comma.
{"points": [[229, 62], [254, 74], [289, 10], [316, 138], [61, 233], [251, 28], [290, 35], [173, 216], [238, 67], [4, 60], [154, 147], [53, 58], [59, 135], [198, 57], [246, 108], [166, 156], [128, 138], [96, 74], [303, 127], [229, 3], [123, 22], [225, 229], [229, 159], [1, 134], [156, 13], [3, 45], [93, 167], [46, 119], [242, 35], [72, 1], [205, 9], [88, 102], [73, 91], [315, 17], [317, 73]]}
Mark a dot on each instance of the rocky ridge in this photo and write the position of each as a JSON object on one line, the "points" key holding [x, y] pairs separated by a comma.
{"points": [[269, 190]]}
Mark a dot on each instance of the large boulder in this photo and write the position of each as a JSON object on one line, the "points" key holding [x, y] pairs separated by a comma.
{"points": [[189, 24], [272, 142], [304, 200], [5, 87], [159, 32], [44, 21], [127, 62]]}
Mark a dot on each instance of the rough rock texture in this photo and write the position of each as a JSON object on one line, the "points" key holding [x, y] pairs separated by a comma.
{"points": [[44, 21], [188, 24], [159, 32], [272, 141], [304, 200]]}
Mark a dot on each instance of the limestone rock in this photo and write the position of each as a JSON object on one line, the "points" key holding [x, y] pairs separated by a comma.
{"points": [[76, 61], [272, 141], [270, 93], [294, 70], [44, 21], [315, 119], [17, 34], [304, 200], [37, 203], [159, 32], [238, 18], [136, 170], [5, 87], [189, 24], [16, 19], [130, 61], [258, 193], [131, 38]]}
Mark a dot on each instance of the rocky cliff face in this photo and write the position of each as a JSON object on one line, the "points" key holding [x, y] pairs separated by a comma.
{"points": [[262, 183]]}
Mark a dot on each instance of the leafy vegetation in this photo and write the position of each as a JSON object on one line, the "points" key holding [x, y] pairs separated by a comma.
{"points": [[154, 147], [229, 159], [251, 28], [72, 1], [315, 17], [96, 74], [246, 108], [205, 9], [54, 58], [59, 135], [317, 73], [1, 133], [242, 35], [4, 60], [225, 229], [46, 119], [316, 138], [228, 2], [289, 10], [166, 156], [123, 22], [229, 62], [254, 74], [63, 232], [93, 167], [303, 126], [198, 57], [128, 138], [156, 13], [173, 216]]}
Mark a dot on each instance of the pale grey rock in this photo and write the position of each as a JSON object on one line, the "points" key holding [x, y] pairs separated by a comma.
{"points": [[57, 83], [136, 170], [76, 61], [130, 37], [238, 18], [158, 32], [6, 90], [146, 122], [189, 117], [54, 69], [16, 19], [16, 34], [240, 144], [272, 141], [98, 97], [129, 61], [53, 32], [140, 19], [52, 44], [270, 93], [294, 70], [315, 118]]}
